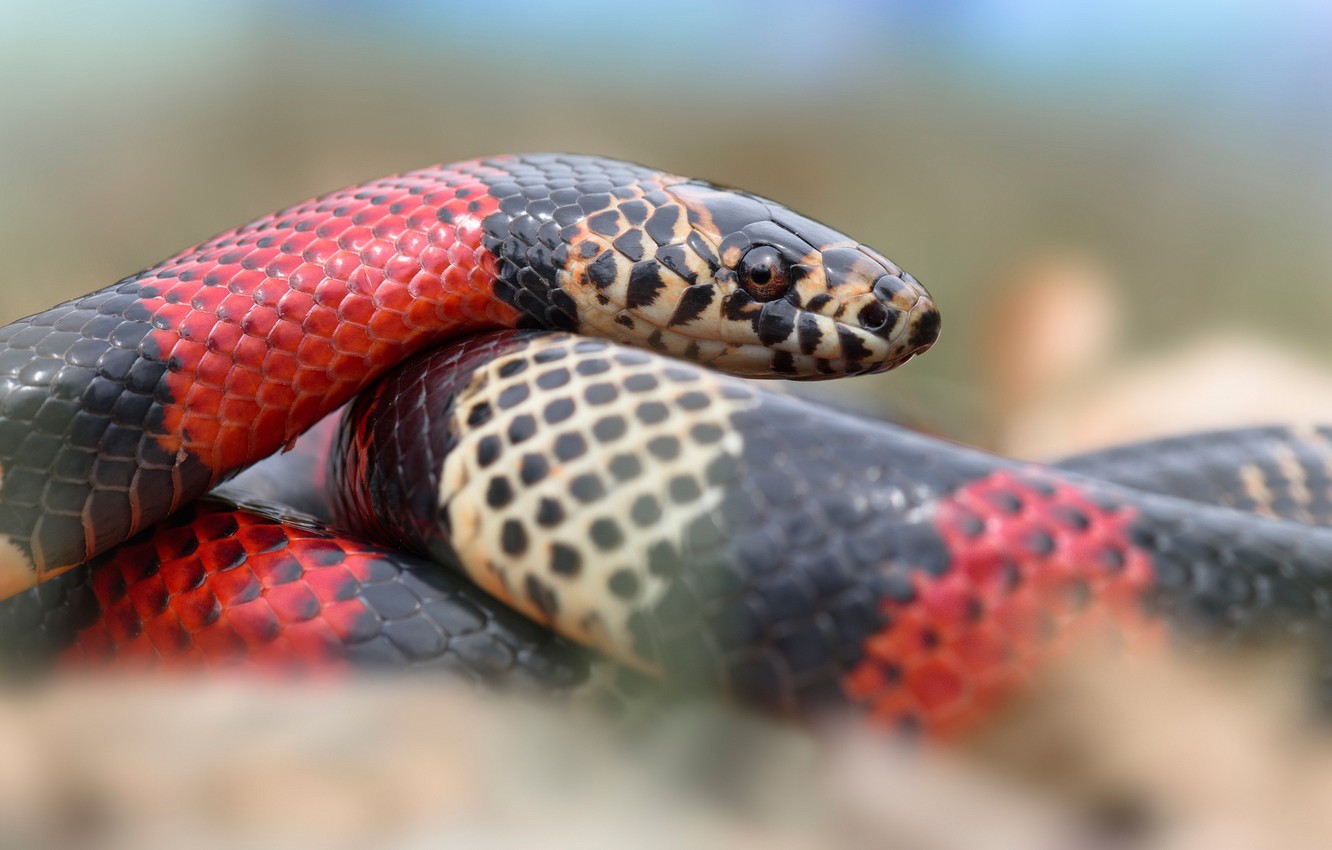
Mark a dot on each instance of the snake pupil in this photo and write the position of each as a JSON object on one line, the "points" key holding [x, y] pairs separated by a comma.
{"points": [[763, 273]]}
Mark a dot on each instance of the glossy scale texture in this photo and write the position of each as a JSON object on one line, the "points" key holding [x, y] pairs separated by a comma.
{"points": [[219, 585], [120, 407], [800, 558]]}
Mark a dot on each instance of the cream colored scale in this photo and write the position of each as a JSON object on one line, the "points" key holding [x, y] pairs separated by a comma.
{"points": [[594, 604]]}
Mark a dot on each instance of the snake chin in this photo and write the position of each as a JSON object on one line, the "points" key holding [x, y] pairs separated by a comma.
{"points": [[914, 336], [757, 362]]}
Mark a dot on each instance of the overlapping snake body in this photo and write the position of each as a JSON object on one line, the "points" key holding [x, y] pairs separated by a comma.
{"points": [[727, 536], [687, 523], [122, 406], [260, 588]]}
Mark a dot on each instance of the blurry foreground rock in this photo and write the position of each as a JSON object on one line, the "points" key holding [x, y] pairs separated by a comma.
{"points": [[1103, 755]]}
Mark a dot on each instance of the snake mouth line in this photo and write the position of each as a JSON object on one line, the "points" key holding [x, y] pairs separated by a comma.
{"points": [[901, 341], [786, 360]]}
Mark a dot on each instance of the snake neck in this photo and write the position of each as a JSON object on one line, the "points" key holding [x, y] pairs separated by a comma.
{"points": [[299, 310]]}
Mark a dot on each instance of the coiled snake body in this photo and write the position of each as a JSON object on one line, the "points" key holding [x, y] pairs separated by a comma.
{"points": [[690, 524]]}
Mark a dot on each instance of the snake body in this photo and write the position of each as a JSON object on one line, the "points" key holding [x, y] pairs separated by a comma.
{"points": [[120, 407], [798, 558], [1275, 471], [220, 584], [687, 523]]}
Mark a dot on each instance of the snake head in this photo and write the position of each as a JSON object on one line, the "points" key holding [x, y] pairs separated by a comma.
{"points": [[699, 271]]}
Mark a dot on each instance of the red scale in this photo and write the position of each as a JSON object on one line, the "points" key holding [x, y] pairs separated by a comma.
{"points": [[297, 308], [976, 634]]}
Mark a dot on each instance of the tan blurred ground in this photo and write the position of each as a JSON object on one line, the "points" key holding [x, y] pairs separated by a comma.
{"points": [[1105, 754]]}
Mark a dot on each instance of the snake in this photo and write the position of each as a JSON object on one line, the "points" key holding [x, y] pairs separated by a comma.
{"points": [[694, 525], [120, 407]]}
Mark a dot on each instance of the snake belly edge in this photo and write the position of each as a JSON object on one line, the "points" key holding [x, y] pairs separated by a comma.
{"points": [[120, 407], [722, 535]]}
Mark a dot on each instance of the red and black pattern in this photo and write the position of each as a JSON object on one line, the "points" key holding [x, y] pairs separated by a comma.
{"points": [[1037, 567], [296, 310], [846, 562], [219, 585], [920, 582], [122, 406], [968, 572]]}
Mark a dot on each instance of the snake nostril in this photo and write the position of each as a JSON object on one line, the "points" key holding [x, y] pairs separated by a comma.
{"points": [[874, 317]]}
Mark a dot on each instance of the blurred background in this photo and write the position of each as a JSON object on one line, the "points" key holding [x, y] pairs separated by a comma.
{"points": [[1123, 211]]}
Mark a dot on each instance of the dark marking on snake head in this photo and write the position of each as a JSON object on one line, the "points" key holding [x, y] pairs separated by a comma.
{"points": [[661, 225], [808, 333], [776, 321], [691, 305], [644, 285], [630, 243], [853, 348], [675, 258], [738, 306], [876, 318], [700, 246], [606, 223], [635, 212], [926, 330], [604, 270], [788, 244], [729, 211]]}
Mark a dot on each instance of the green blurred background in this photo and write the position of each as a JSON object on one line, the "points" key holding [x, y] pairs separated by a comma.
{"points": [[1183, 151]]}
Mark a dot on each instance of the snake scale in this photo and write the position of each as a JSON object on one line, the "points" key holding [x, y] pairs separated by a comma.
{"points": [[563, 453]]}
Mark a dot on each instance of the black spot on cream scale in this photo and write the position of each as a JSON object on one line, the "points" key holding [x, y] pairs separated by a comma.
{"points": [[636, 507]]}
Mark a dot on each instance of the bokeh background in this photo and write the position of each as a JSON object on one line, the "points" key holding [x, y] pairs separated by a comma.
{"points": [[1123, 211]]}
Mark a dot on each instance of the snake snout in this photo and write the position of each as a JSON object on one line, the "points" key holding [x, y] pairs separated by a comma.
{"points": [[900, 312]]}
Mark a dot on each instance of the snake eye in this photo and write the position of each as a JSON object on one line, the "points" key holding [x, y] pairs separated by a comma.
{"points": [[763, 273]]}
